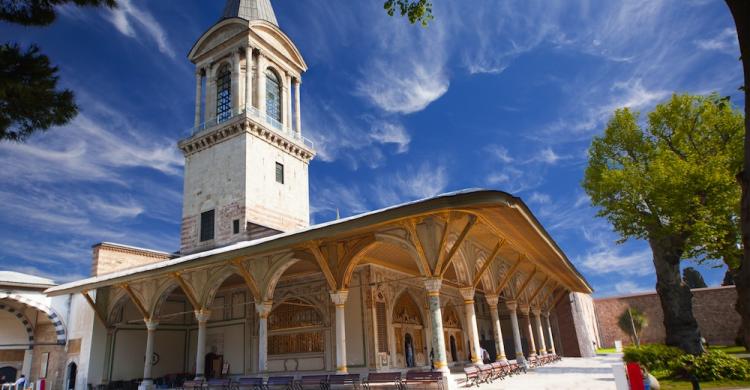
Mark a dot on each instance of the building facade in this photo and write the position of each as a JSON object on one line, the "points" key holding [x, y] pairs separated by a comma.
{"points": [[256, 290]]}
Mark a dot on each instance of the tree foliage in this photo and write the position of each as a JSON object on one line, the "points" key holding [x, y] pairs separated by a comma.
{"points": [[675, 177], [639, 322], [693, 278], [415, 10], [29, 100], [40, 12]]}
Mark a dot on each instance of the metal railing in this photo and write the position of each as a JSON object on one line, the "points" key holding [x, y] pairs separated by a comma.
{"points": [[260, 117]]}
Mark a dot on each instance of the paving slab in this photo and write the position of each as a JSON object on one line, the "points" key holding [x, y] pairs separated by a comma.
{"points": [[570, 373]]}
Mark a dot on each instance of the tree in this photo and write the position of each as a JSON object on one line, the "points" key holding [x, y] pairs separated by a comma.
{"points": [[29, 99], [416, 10], [671, 184], [728, 278], [740, 10], [693, 278], [632, 321]]}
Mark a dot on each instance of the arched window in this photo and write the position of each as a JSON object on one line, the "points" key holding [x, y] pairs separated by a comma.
{"points": [[273, 95], [223, 94]]}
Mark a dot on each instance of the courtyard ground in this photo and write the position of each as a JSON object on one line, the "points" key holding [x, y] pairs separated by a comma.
{"points": [[570, 373]]}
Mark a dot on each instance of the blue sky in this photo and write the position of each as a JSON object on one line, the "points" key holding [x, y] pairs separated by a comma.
{"points": [[497, 94]]}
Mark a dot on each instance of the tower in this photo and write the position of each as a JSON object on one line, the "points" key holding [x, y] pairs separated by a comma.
{"points": [[246, 161]]}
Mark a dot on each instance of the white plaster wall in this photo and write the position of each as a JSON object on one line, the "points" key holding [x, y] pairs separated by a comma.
{"points": [[83, 325], [226, 340], [13, 334], [584, 319]]}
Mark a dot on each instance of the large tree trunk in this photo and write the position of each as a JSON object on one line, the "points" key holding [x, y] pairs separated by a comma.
{"points": [[741, 13], [675, 296]]}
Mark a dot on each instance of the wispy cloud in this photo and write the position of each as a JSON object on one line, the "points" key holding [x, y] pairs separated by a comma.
{"points": [[725, 42], [127, 14]]}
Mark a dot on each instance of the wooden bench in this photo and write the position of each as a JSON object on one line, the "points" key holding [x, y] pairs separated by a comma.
{"points": [[486, 372], [384, 379], [424, 379], [218, 384], [194, 384], [498, 371], [313, 382], [472, 375], [280, 382], [250, 384], [345, 381]]}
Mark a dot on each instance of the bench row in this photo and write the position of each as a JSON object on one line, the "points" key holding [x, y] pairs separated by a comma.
{"points": [[487, 373], [323, 382]]}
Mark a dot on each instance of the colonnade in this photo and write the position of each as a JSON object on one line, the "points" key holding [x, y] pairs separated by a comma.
{"points": [[539, 334], [256, 64]]}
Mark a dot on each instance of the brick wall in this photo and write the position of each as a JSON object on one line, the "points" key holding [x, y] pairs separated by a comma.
{"points": [[113, 257], [713, 308]]}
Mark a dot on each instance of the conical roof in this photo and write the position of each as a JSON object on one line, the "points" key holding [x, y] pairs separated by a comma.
{"points": [[250, 10]]}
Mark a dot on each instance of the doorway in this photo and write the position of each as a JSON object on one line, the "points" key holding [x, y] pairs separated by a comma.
{"points": [[71, 373], [454, 352], [8, 374], [409, 350]]}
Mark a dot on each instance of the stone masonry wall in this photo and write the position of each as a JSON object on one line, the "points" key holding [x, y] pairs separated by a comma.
{"points": [[112, 257], [713, 308]]}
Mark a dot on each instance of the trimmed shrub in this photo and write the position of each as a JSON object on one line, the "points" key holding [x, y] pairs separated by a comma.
{"points": [[652, 356], [711, 366]]}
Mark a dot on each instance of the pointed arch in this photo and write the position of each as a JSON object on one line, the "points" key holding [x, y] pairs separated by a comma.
{"points": [[406, 310]]}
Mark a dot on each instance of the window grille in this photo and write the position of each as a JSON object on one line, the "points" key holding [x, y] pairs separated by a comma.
{"points": [[207, 225], [223, 94], [273, 95]]}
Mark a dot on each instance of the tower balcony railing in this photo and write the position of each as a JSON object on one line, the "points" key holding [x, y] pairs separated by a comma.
{"points": [[260, 117]]}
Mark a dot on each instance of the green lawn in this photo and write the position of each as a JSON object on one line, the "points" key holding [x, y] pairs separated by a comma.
{"points": [[669, 384], [730, 349], [605, 350]]}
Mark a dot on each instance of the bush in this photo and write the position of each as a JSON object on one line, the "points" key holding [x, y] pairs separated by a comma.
{"points": [[711, 366], [653, 356]]}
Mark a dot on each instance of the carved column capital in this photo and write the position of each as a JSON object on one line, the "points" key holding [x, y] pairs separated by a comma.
{"points": [[203, 315], [537, 312], [524, 309], [339, 297], [264, 308], [151, 325], [492, 300], [433, 285], [467, 293], [512, 305]]}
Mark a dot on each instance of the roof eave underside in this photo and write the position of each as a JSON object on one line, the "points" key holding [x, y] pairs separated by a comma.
{"points": [[476, 199]]}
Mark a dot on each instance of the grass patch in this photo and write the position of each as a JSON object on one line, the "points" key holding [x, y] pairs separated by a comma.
{"points": [[730, 349], [671, 384], [606, 350]]}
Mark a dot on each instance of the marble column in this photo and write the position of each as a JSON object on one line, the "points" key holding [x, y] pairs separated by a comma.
{"points": [[512, 306], [297, 112], [148, 382], [339, 299], [492, 301], [549, 333], [436, 322], [248, 78], [235, 82], [28, 357], [261, 77], [264, 310], [471, 321], [529, 329], [540, 332], [198, 97], [202, 315], [287, 102]]}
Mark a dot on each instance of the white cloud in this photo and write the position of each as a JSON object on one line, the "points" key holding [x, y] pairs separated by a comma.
{"points": [[410, 183], [126, 14], [391, 133], [725, 41], [612, 260], [500, 153], [548, 156], [539, 198], [629, 287]]}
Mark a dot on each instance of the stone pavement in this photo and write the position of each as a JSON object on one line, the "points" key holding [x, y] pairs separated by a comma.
{"points": [[570, 373]]}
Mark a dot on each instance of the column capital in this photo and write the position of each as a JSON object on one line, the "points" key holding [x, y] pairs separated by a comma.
{"points": [[151, 324], [524, 309], [203, 315], [537, 311], [339, 297], [467, 293], [264, 308], [546, 313], [492, 300], [512, 305], [433, 285]]}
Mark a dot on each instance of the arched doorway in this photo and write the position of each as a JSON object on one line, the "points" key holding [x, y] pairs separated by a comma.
{"points": [[408, 333], [454, 353], [71, 375], [8, 374]]}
